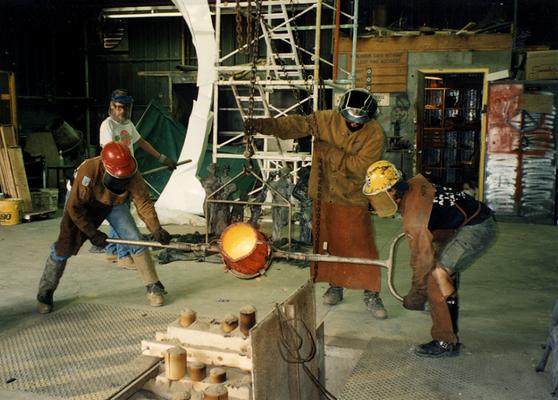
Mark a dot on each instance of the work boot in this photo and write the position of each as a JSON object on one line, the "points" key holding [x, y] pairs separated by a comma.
{"points": [[96, 249], [374, 304], [333, 295], [111, 258], [47, 285], [437, 349], [146, 267], [155, 292]]}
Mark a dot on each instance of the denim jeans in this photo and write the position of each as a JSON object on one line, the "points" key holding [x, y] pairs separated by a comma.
{"points": [[464, 248], [124, 227]]}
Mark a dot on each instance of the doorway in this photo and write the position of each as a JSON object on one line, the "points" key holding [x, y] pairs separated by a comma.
{"points": [[450, 130]]}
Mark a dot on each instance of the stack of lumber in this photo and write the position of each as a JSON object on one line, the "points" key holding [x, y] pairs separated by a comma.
{"points": [[13, 179]]}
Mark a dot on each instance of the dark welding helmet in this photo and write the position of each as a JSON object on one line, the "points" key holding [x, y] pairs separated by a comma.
{"points": [[357, 105]]}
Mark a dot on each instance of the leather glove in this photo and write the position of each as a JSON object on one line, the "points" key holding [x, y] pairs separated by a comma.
{"points": [[254, 124], [99, 239], [169, 163], [162, 236], [414, 301]]}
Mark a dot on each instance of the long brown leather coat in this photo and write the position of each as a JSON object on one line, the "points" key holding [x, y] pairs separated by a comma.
{"points": [[346, 156], [344, 220], [90, 202], [415, 208]]}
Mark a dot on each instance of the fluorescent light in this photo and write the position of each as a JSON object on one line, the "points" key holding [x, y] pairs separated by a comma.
{"points": [[433, 78], [140, 12]]}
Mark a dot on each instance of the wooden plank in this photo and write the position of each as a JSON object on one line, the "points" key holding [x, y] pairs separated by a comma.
{"points": [[390, 88], [8, 139], [498, 42], [20, 177], [9, 188], [381, 68]]}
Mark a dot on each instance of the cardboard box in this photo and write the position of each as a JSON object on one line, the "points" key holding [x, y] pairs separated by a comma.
{"points": [[541, 65]]}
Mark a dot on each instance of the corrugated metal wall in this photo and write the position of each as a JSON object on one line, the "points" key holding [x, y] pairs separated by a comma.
{"points": [[153, 51]]}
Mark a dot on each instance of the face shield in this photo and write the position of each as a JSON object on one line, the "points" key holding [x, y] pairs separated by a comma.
{"points": [[120, 108], [116, 185], [383, 203], [380, 178]]}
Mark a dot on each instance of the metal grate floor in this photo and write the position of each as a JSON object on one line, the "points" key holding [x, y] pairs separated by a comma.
{"points": [[389, 370], [84, 351]]}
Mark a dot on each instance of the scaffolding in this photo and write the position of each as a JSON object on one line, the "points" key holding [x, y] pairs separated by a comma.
{"points": [[287, 78]]}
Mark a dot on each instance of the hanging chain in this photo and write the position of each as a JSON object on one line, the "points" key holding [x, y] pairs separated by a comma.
{"points": [[239, 40], [253, 42]]}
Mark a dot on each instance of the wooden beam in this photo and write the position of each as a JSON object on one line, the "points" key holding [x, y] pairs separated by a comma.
{"points": [[20, 177], [497, 42]]}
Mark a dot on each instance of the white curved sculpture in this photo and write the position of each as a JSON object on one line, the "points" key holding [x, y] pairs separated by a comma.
{"points": [[182, 199]]}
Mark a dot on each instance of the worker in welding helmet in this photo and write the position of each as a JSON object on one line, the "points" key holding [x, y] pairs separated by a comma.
{"points": [[357, 106], [447, 230], [346, 140], [101, 184]]}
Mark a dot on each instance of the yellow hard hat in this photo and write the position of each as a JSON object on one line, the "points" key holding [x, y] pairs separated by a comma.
{"points": [[380, 177]]}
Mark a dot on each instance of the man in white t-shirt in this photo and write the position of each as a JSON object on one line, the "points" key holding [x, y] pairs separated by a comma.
{"points": [[118, 127]]}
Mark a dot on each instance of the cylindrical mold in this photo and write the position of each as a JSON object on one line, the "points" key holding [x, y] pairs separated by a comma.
{"points": [[230, 323], [215, 392], [175, 363], [187, 317], [247, 319], [217, 375], [197, 371]]}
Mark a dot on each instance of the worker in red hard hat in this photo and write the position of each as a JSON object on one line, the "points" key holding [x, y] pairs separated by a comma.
{"points": [[101, 184]]}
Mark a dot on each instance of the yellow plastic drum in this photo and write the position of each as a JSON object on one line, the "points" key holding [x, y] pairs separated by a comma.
{"points": [[10, 211], [244, 249]]}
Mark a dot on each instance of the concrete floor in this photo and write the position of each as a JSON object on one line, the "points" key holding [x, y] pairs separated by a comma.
{"points": [[506, 296]]}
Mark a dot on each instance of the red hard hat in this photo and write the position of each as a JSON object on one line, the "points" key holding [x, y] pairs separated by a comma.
{"points": [[118, 160]]}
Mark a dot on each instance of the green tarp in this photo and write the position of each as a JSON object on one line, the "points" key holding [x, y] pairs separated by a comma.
{"points": [[158, 127]]}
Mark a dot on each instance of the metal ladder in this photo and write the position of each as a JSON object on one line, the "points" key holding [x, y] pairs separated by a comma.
{"points": [[277, 28]]}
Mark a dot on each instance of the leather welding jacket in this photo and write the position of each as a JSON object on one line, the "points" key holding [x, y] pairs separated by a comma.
{"points": [[345, 223], [428, 229], [346, 155], [415, 208], [90, 202]]}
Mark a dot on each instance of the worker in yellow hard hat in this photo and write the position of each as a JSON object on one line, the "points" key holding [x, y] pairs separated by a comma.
{"points": [[436, 260]]}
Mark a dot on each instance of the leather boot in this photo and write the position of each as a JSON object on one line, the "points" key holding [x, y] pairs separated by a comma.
{"points": [[47, 285], [146, 267]]}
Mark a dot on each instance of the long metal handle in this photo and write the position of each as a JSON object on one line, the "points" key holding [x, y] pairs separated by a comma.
{"points": [[173, 245], [387, 263], [150, 171]]}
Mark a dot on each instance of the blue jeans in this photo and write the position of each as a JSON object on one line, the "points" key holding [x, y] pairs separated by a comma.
{"points": [[124, 227]]}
